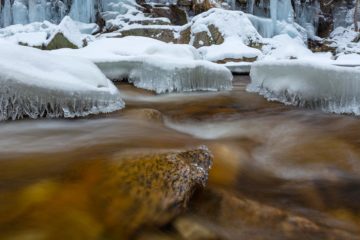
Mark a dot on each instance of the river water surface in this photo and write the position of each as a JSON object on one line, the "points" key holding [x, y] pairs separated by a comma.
{"points": [[301, 161]]}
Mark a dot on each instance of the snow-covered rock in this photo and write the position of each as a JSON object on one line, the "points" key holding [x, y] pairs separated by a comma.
{"points": [[154, 65], [42, 34], [308, 84], [66, 35], [229, 24], [34, 84]]}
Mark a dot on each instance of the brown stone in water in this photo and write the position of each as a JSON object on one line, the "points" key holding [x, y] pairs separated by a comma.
{"points": [[107, 199], [226, 60]]}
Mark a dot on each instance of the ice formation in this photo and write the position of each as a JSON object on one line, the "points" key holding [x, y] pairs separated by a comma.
{"points": [[308, 84], [154, 65], [51, 87]]}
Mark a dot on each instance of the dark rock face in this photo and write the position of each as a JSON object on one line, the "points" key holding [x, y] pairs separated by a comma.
{"points": [[59, 41]]}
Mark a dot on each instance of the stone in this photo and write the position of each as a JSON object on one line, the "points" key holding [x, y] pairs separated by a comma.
{"points": [[162, 34], [176, 15], [59, 41], [106, 199]]}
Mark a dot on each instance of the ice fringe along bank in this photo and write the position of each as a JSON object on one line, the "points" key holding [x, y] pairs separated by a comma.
{"points": [[308, 84], [51, 87], [154, 65]]}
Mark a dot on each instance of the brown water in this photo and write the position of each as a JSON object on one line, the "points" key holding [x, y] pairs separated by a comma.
{"points": [[303, 162]]}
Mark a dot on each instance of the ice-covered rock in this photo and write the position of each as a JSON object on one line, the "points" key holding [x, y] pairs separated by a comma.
{"points": [[308, 84], [154, 65], [35, 84]]}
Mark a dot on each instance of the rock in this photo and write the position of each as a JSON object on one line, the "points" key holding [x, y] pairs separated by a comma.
{"points": [[145, 114], [106, 199], [226, 60], [203, 39], [190, 228], [320, 46], [176, 15], [59, 41], [238, 217], [162, 34], [185, 36]]}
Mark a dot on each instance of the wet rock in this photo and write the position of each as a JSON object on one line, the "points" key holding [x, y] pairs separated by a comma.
{"points": [[106, 199], [149, 114], [190, 228], [233, 216]]}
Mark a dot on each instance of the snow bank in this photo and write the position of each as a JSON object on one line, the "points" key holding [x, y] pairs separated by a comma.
{"points": [[308, 84], [34, 84], [232, 48], [154, 65]]}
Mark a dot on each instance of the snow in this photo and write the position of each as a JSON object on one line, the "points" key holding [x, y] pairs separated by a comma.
{"points": [[284, 47], [70, 30], [36, 84], [154, 65], [229, 23], [308, 84], [39, 34], [232, 47]]}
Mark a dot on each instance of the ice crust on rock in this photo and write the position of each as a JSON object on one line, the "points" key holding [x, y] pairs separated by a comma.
{"points": [[35, 84], [308, 84], [154, 65]]}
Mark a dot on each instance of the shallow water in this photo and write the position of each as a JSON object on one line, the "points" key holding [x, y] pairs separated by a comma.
{"points": [[297, 160]]}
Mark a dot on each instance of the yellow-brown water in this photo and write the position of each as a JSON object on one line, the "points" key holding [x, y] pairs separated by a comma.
{"points": [[280, 171]]}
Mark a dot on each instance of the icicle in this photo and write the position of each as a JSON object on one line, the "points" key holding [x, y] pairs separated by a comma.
{"points": [[83, 10], [19, 13], [250, 5], [6, 14], [273, 14], [37, 10]]}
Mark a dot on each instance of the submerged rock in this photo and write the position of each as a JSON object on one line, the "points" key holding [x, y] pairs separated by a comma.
{"points": [[107, 198]]}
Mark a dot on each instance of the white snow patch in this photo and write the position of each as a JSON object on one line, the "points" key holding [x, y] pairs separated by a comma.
{"points": [[34, 84]]}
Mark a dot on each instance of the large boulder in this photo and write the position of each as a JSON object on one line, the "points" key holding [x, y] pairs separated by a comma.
{"points": [[108, 199]]}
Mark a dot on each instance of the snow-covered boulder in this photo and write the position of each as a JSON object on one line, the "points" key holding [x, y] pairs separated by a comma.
{"points": [[65, 35], [154, 65], [45, 35], [35, 84], [308, 84]]}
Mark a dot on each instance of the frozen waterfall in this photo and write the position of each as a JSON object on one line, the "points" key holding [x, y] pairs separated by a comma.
{"points": [[27, 11]]}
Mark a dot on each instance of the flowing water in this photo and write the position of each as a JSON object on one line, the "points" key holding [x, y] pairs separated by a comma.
{"points": [[302, 162]]}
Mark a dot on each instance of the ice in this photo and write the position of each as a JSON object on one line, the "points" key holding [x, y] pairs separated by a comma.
{"points": [[83, 10], [20, 12], [6, 14], [308, 84], [34, 84], [269, 28], [154, 65]]}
